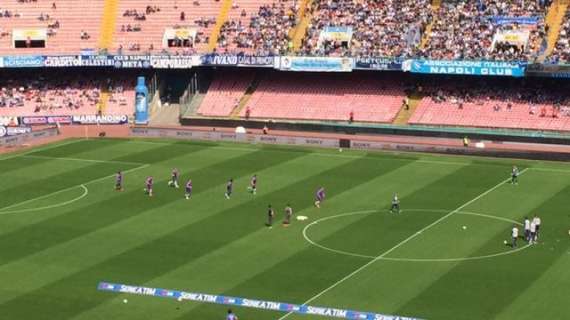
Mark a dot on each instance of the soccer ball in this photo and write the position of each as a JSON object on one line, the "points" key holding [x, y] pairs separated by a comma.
{"points": [[125, 300], [505, 242], [464, 227], [339, 149]]}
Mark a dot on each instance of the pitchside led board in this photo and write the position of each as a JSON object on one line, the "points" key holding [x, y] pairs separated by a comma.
{"points": [[141, 102]]}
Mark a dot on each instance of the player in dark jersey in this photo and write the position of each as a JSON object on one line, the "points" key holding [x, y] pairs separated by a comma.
{"points": [[229, 188], [515, 175], [119, 181], [253, 184], [174, 178], [395, 204], [319, 196], [270, 215], [148, 184], [288, 215], [188, 192]]}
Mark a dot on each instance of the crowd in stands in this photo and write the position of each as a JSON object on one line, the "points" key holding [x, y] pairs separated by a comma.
{"points": [[265, 33], [541, 98], [60, 95], [380, 28], [464, 29], [561, 51]]}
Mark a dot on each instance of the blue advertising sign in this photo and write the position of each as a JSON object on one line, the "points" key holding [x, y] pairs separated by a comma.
{"points": [[248, 303], [502, 20], [316, 64], [378, 64], [23, 61], [479, 68], [237, 60]]}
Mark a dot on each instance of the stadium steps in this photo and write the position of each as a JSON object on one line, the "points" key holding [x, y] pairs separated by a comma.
{"points": [[298, 33], [103, 100], [244, 100], [194, 104], [404, 115], [110, 12], [554, 20], [435, 4], [220, 20], [166, 116]]}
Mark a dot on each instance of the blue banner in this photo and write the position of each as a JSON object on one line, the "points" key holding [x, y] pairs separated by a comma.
{"points": [[479, 68], [502, 20], [237, 60], [378, 64], [248, 303], [316, 64], [23, 61]]}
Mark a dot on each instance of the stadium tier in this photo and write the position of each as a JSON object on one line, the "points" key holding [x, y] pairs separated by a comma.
{"points": [[370, 28], [61, 93], [325, 97], [67, 25], [485, 30], [180, 27], [258, 27], [224, 93], [514, 30]]}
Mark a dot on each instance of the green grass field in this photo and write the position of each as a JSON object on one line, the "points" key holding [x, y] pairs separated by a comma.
{"points": [[63, 229]]}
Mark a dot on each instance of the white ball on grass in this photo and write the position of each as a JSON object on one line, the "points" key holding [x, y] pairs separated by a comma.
{"points": [[464, 227], [125, 300], [339, 149], [505, 242]]}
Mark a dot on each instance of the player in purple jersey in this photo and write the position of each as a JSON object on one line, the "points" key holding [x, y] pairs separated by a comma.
{"points": [[319, 196], [174, 178], [188, 189], [148, 188], [253, 184], [119, 181], [229, 188]]}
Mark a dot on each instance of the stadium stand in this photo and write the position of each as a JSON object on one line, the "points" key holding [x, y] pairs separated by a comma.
{"points": [[224, 93], [561, 53], [380, 28], [492, 104], [466, 30], [258, 27], [64, 95], [141, 27], [69, 25], [326, 97]]}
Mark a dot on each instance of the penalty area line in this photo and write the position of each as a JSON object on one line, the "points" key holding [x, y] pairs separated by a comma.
{"points": [[69, 188], [408, 239]]}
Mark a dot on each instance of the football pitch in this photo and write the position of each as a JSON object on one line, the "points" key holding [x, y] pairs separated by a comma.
{"points": [[64, 229]]}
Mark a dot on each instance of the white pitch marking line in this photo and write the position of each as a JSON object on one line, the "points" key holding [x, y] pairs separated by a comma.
{"points": [[348, 253], [79, 159], [69, 188], [61, 204], [408, 239], [48, 147]]}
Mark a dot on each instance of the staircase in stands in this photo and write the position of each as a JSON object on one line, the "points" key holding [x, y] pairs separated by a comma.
{"points": [[435, 5], [554, 19], [304, 18], [220, 20], [405, 114], [108, 22]]}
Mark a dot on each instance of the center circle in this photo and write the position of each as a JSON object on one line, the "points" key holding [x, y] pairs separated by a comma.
{"points": [[338, 247]]}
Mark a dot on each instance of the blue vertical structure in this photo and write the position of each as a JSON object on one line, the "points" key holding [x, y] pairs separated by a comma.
{"points": [[141, 102]]}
